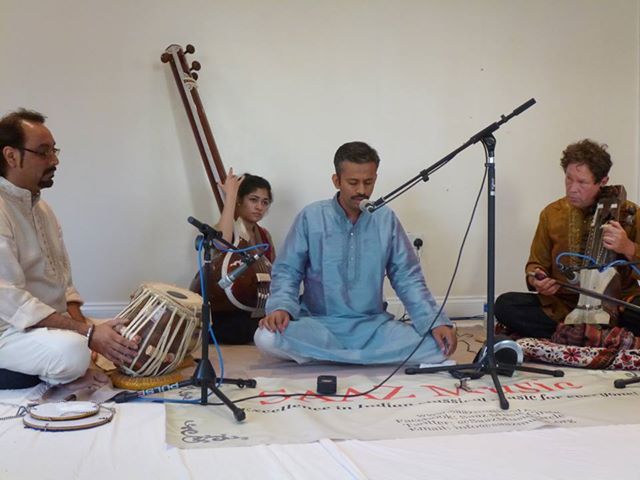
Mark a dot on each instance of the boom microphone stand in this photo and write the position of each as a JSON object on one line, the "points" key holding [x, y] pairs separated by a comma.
{"points": [[487, 363], [205, 376]]}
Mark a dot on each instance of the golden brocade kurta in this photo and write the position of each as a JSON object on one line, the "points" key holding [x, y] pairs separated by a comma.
{"points": [[564, 228]]}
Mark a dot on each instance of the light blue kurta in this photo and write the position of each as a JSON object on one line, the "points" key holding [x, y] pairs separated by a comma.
{"points": [[340, 316]]}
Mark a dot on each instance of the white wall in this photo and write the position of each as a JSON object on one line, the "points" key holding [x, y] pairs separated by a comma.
{"points": [[285, 83]]}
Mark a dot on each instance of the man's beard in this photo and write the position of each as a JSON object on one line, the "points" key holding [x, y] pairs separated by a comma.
{"points": [[46, 182]]}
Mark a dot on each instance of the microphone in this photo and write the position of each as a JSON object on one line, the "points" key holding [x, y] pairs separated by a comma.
{"points": [[524, 106], [229, 278], [570, 274], [367, 205], [204, 228]]}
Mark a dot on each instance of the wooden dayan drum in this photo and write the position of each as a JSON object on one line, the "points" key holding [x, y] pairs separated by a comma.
{"points": [[168, 321]]}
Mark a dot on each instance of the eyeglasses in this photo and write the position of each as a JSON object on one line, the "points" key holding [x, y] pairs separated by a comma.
{"points": [[45, 153]]}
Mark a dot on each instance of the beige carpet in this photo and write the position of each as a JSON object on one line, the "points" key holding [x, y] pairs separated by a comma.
{"points": [[246, 360]]}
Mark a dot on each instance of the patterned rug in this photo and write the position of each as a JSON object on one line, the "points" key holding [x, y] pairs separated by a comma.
{"points": [[599, 358]]}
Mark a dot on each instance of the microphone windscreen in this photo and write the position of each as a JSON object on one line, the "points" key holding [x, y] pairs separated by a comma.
{"points": [[365, 204]]}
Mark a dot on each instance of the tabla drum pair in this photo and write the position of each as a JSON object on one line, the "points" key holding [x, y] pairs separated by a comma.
{"points": [[167, 320]]}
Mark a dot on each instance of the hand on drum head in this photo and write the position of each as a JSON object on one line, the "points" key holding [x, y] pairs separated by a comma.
{"points": [[275, 321], [108, 342]]}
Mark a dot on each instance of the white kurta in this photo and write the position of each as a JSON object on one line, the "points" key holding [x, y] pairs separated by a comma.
{"points": [[35, 274], [35, 281]]}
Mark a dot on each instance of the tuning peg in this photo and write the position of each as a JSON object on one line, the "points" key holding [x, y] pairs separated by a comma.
{"points": [[194, 75], [165, 57], [190, 48], [195, 66]]}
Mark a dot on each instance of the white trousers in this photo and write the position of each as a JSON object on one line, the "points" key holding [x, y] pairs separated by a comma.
{"points": [[265, 341], [56, 356]]}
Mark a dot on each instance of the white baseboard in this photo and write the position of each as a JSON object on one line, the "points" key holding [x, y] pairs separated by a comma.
{"points": [[465, 307], [103, 310], [456, 307]]}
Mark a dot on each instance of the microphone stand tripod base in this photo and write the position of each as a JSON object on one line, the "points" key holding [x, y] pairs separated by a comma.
{"points": [[205, 378]]}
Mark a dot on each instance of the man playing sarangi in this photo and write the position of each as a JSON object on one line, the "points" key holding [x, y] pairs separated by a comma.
{"points": [[564, 227]]}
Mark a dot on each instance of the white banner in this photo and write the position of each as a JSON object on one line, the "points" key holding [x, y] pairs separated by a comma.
{"points": [[410, 405]]}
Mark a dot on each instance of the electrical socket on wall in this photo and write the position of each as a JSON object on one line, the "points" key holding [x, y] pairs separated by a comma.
{"points": [[416, 236]]}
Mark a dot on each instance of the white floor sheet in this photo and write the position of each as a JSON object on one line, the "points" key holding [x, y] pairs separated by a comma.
{"points": [[132, 446]]}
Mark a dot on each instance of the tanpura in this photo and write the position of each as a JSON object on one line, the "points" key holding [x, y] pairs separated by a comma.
{"points": [[249, 292]]}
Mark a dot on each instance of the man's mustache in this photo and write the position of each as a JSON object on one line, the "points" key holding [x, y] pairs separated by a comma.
{"points": [[360, 197], [50, 170]]}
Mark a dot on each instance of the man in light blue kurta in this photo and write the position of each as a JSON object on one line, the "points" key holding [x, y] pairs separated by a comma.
{"points": [[342, 255]]}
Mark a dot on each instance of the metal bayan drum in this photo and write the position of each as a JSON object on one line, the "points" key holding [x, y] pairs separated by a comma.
{"points": [[167, 321]]}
